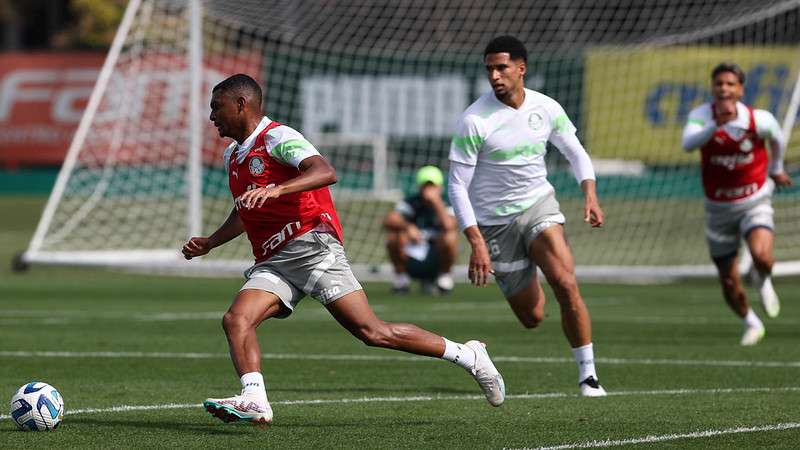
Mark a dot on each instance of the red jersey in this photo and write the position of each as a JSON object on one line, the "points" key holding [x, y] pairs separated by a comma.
{"points": [[281, 219], [733, 169]]}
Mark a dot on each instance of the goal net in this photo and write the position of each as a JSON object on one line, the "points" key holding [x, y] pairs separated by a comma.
{"points": [[378, 85]]}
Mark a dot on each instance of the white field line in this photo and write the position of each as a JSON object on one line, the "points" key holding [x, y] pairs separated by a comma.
{"points": [[428, 398], [672, 437], [493, 312], [335, 357]]}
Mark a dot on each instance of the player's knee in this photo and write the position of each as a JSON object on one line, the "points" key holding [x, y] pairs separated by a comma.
{"points": [[563, 282], [730, 285], [532, 319], [233, 322], [762, 257]]}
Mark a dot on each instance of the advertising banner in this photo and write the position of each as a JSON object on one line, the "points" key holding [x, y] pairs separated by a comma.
{"points": [[636, 101], [42, 98]]}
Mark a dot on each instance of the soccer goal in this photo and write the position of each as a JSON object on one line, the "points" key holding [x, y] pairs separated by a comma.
{"points": [[378, 85]]}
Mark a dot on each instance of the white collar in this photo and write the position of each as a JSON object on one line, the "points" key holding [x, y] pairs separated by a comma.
{"points": [[742, 119], [522, 106], [245, 146]]}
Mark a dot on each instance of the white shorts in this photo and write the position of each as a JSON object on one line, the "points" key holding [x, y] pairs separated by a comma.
{"points": [[509, 244], [313, 264], [726, 225]]}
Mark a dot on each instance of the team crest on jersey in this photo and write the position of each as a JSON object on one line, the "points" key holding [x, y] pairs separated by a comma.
{"points": [[535, 121], [746, 145], [256, 166], [735, 132]]}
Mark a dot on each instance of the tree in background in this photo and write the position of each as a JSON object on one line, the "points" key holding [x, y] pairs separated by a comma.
{"points": [[93, 26], [58, 24]]}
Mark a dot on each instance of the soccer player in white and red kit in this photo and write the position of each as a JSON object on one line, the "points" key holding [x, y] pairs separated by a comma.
{"points": [[279, 181], [734, 141]]}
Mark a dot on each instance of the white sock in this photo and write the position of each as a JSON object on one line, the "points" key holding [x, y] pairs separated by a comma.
{"points": [[584, 356], [253, 384], [766, 282], [751, 320], [459, 354]]}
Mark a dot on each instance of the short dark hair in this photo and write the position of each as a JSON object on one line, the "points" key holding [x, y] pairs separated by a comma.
{"points": [[728, 67], [507, 44], [240, 84]]}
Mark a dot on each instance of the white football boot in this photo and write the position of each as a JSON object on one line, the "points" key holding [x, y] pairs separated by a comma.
{"points": [[590, 387], [753, 335], [240, 408], [769, 299], [487, 376], [401, 283], [445, 283]]}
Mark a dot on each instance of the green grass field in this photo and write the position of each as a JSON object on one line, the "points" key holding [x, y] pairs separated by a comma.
{"points": [[135, 355]]}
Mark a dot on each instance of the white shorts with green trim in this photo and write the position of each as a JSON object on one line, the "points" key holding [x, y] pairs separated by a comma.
{"points": [[509, 244]]}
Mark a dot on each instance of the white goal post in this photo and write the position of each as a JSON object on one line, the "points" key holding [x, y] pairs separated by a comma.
{"points": [[377, 87]]}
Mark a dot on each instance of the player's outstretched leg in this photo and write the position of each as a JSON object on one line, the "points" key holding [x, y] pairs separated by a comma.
{"points": [[248, 310], [353, 312], [553, 256]]}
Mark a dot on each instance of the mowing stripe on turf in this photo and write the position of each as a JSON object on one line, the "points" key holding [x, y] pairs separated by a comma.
{"points": [[335, 357], [672, 437], [426, 398]]}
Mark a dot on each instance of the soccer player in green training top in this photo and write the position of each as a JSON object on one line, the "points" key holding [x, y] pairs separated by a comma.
{"points": [[507, 208]]}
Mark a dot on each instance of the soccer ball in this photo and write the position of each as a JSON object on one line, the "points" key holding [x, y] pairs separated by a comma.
{"points": [[37, 406]]}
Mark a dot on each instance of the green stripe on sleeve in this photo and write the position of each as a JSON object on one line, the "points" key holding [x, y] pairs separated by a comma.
{"points": [[468, 145], [287, 151], [562, 124], [697, 122]]}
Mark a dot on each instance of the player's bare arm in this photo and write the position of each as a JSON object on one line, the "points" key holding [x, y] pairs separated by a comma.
{"points": [[413, 232], [592, 213], [199, 246], [480, 265], [432, 196], [315, 172], [781, 179]]}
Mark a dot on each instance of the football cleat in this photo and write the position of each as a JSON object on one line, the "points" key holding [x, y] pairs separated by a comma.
{"points": [[240, 408], [445, 283], [401, 284], [590, 387], [753, 335], [487, 376], [769, 299]]}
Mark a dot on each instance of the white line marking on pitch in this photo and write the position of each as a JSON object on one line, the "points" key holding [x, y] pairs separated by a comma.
{"points": [[672, 437], [334, 357], [54, 317], [425, 398]]}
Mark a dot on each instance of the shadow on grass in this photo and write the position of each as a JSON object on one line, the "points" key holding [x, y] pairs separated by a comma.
{"points": [[205, 425], [428, 391], [212, 427]]}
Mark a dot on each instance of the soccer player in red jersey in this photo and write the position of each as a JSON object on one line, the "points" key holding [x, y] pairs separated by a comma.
{"points": [[734, 141], [279, 181]]}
